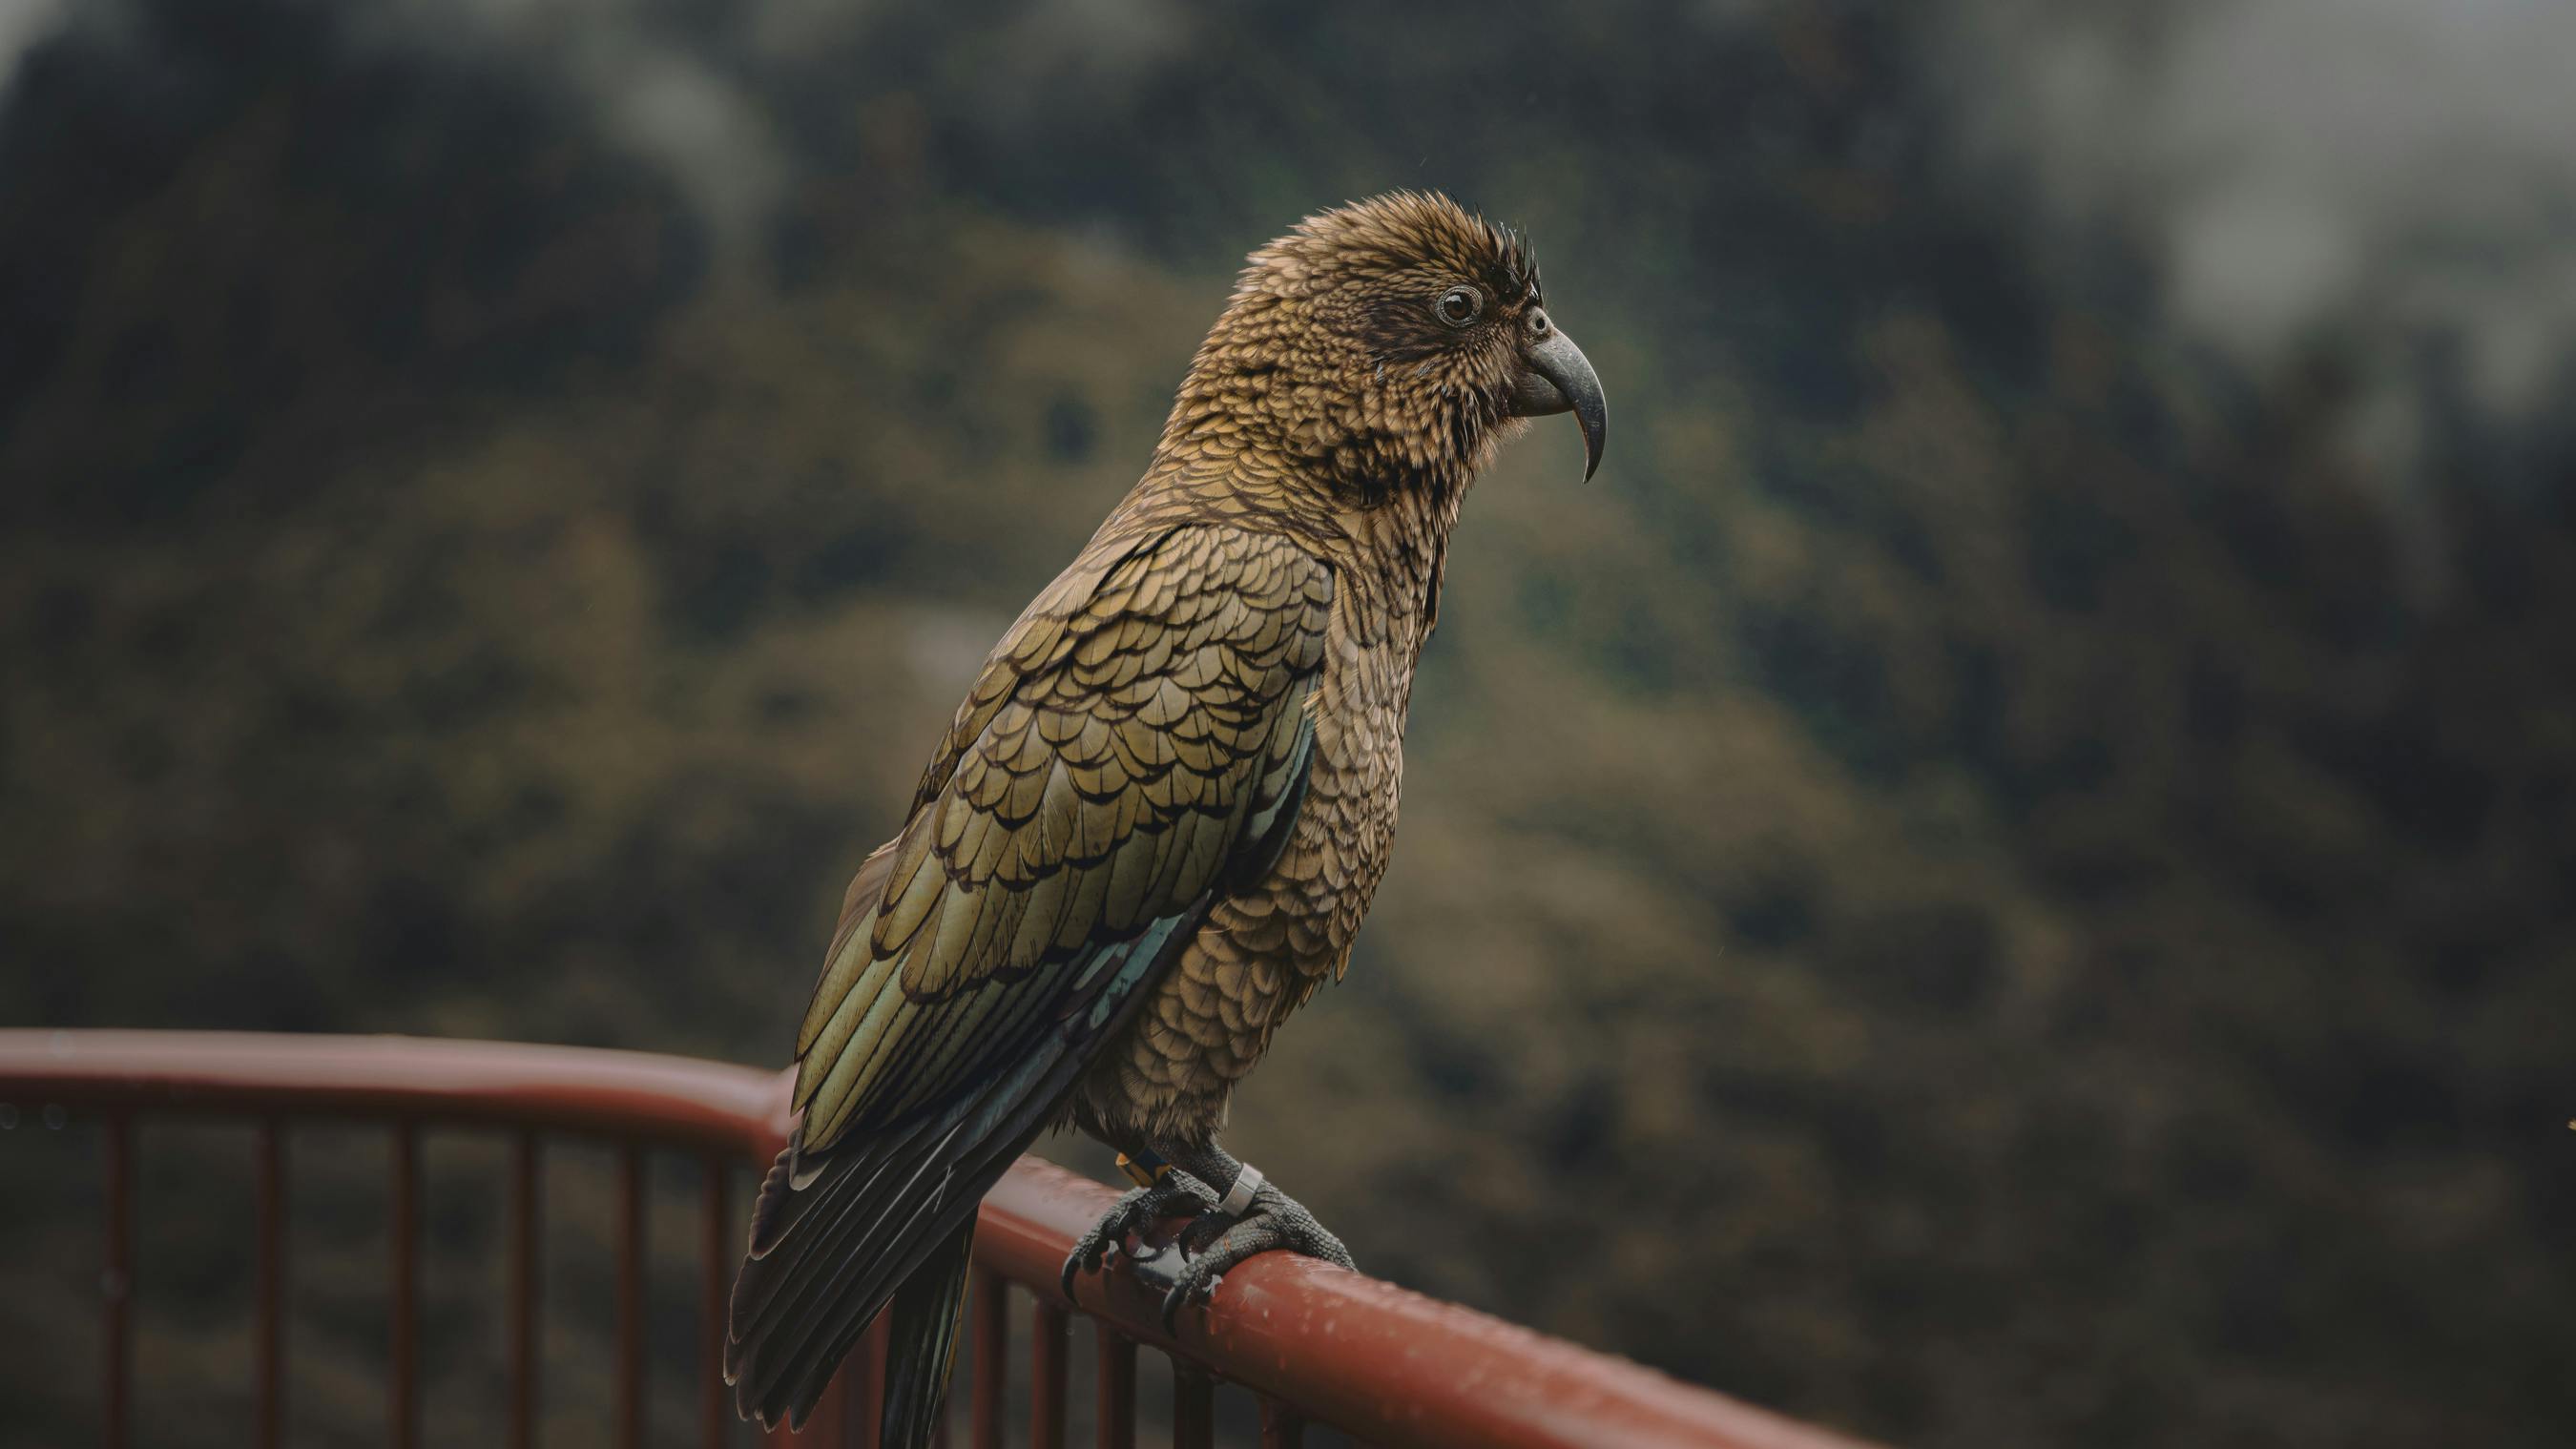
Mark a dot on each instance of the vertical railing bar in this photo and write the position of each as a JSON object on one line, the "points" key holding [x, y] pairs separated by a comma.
{"points": [[116, 1277], [270, 1225], [1047, 1335], [1282, 1424], [630, 1296], [1117, 1390], [1282, 1427], [525, 1165], [830, 1424], [989, 1309], [404, 1405], [874, 1349], [1193, 1407], [715, 1254]]}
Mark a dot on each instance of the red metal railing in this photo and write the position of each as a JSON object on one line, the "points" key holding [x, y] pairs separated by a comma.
{"points": [[1312, 1342]]}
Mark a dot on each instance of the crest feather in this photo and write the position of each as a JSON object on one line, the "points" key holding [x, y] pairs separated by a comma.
{"points": [[1404, 229]]}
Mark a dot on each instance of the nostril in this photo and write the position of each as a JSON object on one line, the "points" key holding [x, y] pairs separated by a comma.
{"points": [[1538, 324]]}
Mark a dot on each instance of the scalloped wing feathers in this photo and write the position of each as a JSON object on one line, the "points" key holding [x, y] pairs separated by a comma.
{"points": [[1138, 726]]}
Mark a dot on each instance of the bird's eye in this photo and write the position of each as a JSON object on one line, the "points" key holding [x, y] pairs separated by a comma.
{"points": [[1460, 305]]}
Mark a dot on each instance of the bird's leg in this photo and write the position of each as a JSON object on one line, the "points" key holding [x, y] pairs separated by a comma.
{"points": [[1252, 1217], [1161, 1191]]}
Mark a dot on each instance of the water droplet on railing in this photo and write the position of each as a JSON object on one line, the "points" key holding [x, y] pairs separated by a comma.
{"points": [[55, 1116]]}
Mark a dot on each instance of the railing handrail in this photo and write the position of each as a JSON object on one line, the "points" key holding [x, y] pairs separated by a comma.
{"points": [[1388, 1365], [682, 1101]]}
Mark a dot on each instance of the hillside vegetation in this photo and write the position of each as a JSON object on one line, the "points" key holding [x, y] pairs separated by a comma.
{"points": [[1955, 891]]}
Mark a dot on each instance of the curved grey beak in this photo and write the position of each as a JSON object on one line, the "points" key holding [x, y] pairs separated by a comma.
{"points": [[1558, 378]]}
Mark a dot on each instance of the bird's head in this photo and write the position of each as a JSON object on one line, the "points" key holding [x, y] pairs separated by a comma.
{"points": [[1388, 341]]}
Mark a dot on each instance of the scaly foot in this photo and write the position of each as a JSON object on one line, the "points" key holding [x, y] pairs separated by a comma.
{"points": [[1177, 1195], [1217, 1242]]}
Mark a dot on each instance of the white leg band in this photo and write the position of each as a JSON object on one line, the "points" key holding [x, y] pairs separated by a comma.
{"points": [[1240, 1196]]}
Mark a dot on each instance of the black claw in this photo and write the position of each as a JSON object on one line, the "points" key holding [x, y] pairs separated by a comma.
{"points": [[1092, 1250], [1134, 1211], [1204, 1232], [1215, 1243], [1192, 1285], [1211, 1244]]}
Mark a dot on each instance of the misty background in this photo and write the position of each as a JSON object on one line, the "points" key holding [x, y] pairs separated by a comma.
{"points": [[2002, 877]]}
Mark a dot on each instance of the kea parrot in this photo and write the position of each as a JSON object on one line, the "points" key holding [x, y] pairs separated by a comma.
{"points": [[1156, 821]]}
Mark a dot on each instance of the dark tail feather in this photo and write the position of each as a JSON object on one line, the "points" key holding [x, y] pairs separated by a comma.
{"points": [[841, 1230], [926, 1312], [825, 1257], [869, 1220]]}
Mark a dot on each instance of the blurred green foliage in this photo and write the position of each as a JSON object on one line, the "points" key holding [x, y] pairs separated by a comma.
{"points": [[1954, 891]]}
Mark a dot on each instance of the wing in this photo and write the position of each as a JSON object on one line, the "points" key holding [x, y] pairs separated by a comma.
{"points": [[1139, 739], [1141, 731]]}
